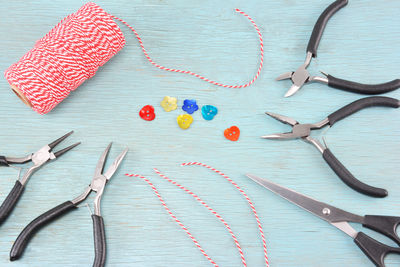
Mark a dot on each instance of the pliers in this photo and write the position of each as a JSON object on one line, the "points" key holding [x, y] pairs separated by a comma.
{"points": [[97, 185], [302, 76], [38, 158], [303, 131]]}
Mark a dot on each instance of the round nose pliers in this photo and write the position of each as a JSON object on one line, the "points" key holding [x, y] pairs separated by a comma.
{"points": [[38, 158], [301, 76], [303, 131], [97, 185]]}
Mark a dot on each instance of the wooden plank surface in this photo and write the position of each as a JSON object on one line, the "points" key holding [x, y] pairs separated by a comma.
{"points": [[208, 37]]}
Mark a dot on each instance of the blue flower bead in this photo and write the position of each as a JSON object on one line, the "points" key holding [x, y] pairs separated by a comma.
{"points": [[190, 106]]}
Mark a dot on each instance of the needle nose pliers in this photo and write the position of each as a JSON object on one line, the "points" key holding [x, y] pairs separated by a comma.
{"points": [[302, 76], [97, 185], [38, 158], [303, 131]]}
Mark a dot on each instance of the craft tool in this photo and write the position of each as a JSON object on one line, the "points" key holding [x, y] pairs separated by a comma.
{"points": [[73, 51], [97, 185], [303, 131], [386, 225], [301, 76], [38, 158]]}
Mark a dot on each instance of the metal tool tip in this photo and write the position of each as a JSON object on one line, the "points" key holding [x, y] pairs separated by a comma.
{"points": [[269, 114], [251, 176], [59, 140], [293, 89], [284, 76], [288, 94], [270, 136], [324, 73], [63, 151]]}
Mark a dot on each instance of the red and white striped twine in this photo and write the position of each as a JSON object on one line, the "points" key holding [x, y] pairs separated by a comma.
{"points": [[174, 217], [260, 228], [195, 74], [73, 51], [210, 209]]}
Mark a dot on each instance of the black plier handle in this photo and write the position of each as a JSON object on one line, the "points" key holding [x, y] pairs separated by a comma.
{"points": [[39, 158], [97, 185], [301, 76], [303, 131], [320, 25]]}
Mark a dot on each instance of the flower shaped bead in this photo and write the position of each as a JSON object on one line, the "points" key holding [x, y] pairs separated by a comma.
{"points": [[169, 103], [184, 121], [147, 113], [209, 112], [190, 106]]}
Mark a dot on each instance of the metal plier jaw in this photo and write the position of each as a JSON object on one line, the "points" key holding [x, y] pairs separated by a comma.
{"points": [[301, 76], [100, 179], [302, 131], [39, 158]]}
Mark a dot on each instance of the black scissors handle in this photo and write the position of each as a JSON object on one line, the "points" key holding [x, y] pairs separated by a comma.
{"points": [[375, 250], [385, 225]]}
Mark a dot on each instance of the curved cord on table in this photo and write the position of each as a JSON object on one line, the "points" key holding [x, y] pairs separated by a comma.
{"points": [[245, 196], [195, 74], [174, 217], [210, 209]]}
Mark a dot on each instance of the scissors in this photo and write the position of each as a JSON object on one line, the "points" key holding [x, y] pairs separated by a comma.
{"points": [[386, 225]]}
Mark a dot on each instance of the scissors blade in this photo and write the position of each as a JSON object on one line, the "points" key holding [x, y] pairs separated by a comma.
{"points": [[111, 170], [322, 210]]}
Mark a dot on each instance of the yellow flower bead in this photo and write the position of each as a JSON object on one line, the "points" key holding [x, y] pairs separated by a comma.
{"points": [[184, 121], [169, 103]]}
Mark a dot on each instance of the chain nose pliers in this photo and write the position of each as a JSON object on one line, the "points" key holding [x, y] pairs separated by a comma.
{"points": [[302, 76], [303, 131], [39, 158], [97, 185]]}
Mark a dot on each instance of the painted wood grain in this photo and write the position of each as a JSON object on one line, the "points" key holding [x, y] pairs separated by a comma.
{"points": [[208, 37]]}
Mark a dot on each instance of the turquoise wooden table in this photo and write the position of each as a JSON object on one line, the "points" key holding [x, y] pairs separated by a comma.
{"points": [[208, 37]]}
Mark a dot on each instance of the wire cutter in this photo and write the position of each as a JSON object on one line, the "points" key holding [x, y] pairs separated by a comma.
{"points": [[38, 158], [302, 76], [386, 225], [303, 131], [97, 185]]}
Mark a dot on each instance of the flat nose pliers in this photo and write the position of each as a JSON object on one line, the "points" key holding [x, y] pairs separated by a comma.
{"points": [[302, 76], [303, 131], [97, 185], [38, 158]]}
